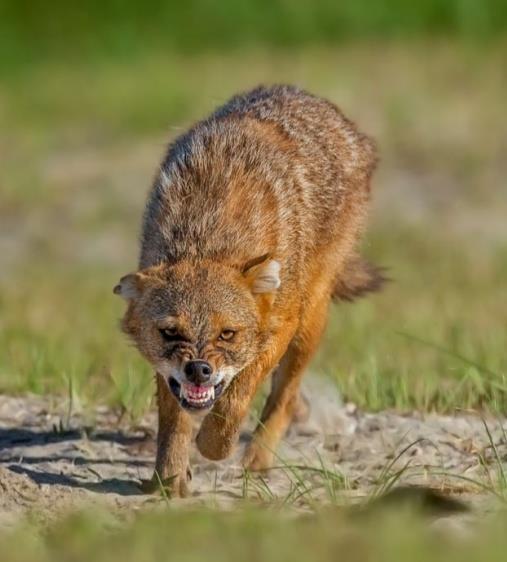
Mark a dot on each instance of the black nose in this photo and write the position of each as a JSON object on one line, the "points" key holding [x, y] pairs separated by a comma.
{"points": [[198, 372]]}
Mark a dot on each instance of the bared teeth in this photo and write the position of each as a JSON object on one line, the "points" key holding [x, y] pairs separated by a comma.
{"points": [[197, 394]]}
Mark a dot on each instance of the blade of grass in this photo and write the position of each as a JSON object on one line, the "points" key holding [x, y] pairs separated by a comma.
{"points": [[455, 355]]}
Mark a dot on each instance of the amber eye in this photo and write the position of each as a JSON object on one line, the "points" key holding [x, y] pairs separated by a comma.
{"points": [[227, 335], [170, 334]]}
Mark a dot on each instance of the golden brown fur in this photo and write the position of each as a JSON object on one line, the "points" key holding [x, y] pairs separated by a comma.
{"points": [[251, 229]]}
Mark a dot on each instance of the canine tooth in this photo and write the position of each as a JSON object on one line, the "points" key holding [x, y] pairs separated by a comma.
{"points": [[212, 392]]}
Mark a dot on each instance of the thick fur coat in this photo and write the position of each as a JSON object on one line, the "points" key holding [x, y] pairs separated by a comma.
{"points": [[251, 228]]}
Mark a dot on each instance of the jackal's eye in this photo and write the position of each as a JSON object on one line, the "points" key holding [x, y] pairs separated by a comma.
{"points": [[171, 334], [227, 335]]}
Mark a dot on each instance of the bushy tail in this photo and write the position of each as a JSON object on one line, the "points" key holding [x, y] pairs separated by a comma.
{"points": [[358, 278]]}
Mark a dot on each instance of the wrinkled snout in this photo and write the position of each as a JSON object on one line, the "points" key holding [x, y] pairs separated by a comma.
{"points": [[197, 387], [198, 372]]}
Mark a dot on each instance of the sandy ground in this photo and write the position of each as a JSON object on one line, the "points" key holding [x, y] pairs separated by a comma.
{"points": [[50, 461]]}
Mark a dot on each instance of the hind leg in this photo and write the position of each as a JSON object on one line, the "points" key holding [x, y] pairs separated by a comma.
{"points": [[285, 402], [301, 409]]}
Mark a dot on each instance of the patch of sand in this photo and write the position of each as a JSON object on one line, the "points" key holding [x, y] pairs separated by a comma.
{"points": [[49, 463]]}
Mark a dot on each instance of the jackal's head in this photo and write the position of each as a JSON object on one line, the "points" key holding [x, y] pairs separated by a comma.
{"points": [[199, 324]]}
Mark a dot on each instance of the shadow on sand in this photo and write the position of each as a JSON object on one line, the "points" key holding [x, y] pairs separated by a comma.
{"points": [[33, 466]]}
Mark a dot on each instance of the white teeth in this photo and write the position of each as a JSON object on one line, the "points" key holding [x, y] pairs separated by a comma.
{"points": [[197, 397]]}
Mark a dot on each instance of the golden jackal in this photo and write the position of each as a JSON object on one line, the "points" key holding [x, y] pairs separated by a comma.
{"points": [[250, 230]]}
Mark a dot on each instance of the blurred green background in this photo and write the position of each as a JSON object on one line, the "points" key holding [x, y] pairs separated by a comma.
{"points": [[35, 30], [91, 93]]}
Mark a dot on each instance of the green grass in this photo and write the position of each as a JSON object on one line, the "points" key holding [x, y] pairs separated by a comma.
{"points": [[434, 340], [254, 535], [33, 31], [80, 145]]}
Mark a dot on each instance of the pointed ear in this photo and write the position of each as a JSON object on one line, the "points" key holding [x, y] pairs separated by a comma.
{"points": [[129, 287], [263, 274]]}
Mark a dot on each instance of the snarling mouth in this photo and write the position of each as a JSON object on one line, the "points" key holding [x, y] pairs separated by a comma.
{"points": [[194, 396]]}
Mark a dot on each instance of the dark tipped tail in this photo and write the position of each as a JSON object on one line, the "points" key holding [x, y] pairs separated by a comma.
{"points": [[358, 278]]}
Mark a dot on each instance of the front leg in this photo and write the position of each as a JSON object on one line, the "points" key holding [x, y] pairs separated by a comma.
{"points": [[220, 428], [173, 441]]}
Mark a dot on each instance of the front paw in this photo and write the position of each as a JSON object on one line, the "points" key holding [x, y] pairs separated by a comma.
{"points": [[214, 440], [175, 486]]}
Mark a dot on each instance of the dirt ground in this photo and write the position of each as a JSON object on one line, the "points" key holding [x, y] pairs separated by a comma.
{"points": [[52, 461]]}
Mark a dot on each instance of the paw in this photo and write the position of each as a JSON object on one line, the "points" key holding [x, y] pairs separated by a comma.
{"points": [[173, 487], [214, 440], [257, 457], [212, 447]]}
